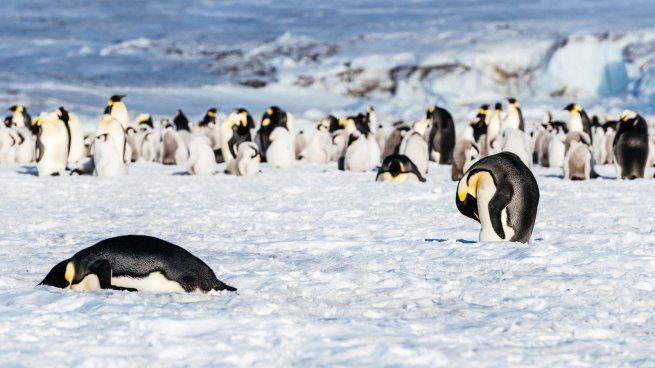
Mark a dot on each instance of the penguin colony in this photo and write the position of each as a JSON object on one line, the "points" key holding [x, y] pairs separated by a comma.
{"points": [[491, 162]]}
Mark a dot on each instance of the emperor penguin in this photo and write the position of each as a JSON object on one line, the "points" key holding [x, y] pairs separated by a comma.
{"points": [[133, 142], [610, 128], [75, 135], [107, 160], [631, 146], [395, 138], [280, 152], [578, 119], [108, 124], [362, 152], [135, 263], [300, 143], [514, 117], [578, 163], [332, 123], [501, 193], [514, 140], [8, 146], [144, 122], [174, 150], [493, 130], [20, 118], [51, 145], [441, 139], [26, 146], [201, 156], [234, 130], [247, 161], [272, 118], [399, 168], [116, 108], [415, 147], [182, 127], [466, 152], [209, 127], [319, 148], [480, 124]]}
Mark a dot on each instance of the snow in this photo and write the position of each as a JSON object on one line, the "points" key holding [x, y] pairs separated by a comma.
{"points": [[332, 268]]}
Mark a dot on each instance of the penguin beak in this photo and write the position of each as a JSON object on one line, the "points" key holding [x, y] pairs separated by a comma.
{"points": [[70, 273]]}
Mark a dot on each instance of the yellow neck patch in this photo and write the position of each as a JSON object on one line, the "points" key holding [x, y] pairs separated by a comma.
{"points": [[70, 273]]}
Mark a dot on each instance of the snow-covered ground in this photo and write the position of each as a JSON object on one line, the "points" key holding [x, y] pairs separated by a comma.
{"points": [[332, 269]]}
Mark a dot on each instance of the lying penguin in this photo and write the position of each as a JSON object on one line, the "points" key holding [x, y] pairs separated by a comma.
{"points": [[135, 263], [501, 193], [399, 168]]}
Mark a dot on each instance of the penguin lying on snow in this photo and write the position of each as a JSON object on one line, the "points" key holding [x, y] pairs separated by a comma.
{"points": [[501, 193], [399, 168], [631, 146], [135, 263]]}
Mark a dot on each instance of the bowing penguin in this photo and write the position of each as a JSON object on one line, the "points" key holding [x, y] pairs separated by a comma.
{"points": [[501, 193], [399, 168]]}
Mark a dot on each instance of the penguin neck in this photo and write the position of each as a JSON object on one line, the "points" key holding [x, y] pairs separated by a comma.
{"points": [[575, 122], [18, 119], [486, 191], [119, 112]]}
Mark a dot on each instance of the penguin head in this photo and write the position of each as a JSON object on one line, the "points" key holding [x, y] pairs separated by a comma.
{"points": [[56, 277], [628, 116], [371, 116], [467, 192], [422, 126], [113, 101], [430, 113], [274, 117], [78, 268], [396, 168], [250, 123], [62, 114], [331, 122], [498, 106], [513, 102], [572, 107], [484, 109], [144, 120], [130, 131], [180, 120], [17, 109], [8, 121]]}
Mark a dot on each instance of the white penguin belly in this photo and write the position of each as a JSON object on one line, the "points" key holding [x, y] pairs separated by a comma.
{"points": [[155, 282], [88, 283], [485, 192]]}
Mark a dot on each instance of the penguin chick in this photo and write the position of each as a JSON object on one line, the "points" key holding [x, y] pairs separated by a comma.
{"points": [[501, 193], [201, 158], [319, 148], [280, 152], [514, 141], [465, 154], [247, 160]]}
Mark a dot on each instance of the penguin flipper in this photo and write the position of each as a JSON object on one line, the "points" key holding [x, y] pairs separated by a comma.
{"points": [[341, 164], [102, 269], [497, 204], [39, 150]]}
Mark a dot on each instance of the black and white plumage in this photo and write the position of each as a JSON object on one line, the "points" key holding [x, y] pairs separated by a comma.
{"points": [[631, 146], [135, 263], [441, 139], [398, 168], [501, 193]]}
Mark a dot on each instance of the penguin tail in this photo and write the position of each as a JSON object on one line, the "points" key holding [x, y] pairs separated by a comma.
{"points": [[219, 285]]}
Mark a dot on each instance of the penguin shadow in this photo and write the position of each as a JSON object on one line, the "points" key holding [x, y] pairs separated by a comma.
{"points": [[28, 170], [440, 240], [181, 173]]}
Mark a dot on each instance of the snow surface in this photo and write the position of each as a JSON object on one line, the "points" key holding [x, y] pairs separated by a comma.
{"points": [[332, 269]]}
